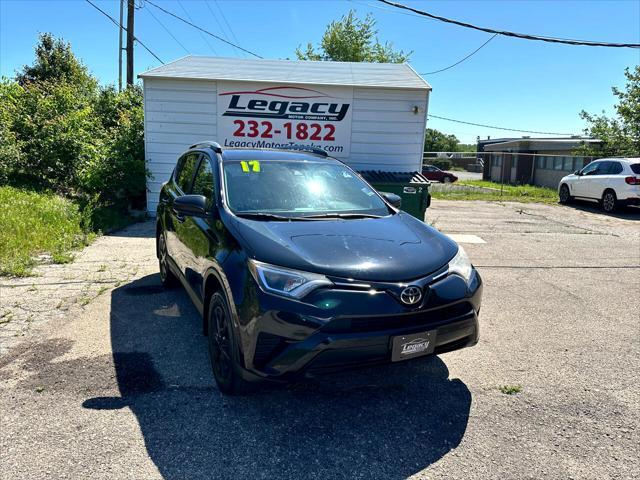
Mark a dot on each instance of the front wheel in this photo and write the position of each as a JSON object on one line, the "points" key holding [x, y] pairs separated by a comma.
{"points": [[609, 201], [167, 277], [223, 350], [565, 196], [447, 180]]}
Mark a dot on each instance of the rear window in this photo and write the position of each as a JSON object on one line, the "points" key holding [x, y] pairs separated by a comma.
{"points": [[615, 168], [635, 167]]}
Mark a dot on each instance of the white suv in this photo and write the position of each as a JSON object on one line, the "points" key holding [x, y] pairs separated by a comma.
{"points": [[611, 181]]}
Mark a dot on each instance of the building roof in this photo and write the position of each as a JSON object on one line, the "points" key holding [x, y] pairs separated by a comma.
{"points": [[357, 74], [539, 144]]}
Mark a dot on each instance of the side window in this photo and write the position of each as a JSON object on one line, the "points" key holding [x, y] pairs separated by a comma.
{"points": [[615, 168], [603, 168], [204, 181], [591, 168], [184, 172]]}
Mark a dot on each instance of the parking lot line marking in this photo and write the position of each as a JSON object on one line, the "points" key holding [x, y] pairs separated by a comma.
{"points": [[460, 238]]}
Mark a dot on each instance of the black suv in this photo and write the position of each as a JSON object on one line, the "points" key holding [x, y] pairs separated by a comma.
{"points": [[300, 267]]}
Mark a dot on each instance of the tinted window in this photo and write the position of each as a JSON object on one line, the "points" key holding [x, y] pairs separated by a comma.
{"points": [[615, 168], [186, 169], [591, 168], [296, 188], [203, 183], [603, 168], [635, 167]]}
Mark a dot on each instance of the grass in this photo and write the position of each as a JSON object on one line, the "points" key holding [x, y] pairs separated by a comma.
{"points": [[504, 193], [34, 223], [511, 389]]}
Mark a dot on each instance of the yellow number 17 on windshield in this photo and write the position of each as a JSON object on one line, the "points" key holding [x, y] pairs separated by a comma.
{"points": [[254, 164]]}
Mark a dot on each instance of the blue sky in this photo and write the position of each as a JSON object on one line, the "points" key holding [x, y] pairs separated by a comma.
{"points": [[510, 82]]}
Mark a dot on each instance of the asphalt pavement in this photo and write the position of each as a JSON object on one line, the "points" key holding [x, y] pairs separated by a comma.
{"points": [[120, 387]]}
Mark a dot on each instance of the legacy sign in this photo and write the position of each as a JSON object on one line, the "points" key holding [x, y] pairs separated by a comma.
{"points": [[259, 115]]}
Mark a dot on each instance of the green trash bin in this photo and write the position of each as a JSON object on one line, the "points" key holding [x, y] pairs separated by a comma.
{"points": [[412, 187]]}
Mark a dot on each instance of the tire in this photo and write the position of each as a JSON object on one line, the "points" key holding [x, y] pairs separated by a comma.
{"points": [[167, 278], [565, 196], [609, 201], [446, 180], [223, 349]]}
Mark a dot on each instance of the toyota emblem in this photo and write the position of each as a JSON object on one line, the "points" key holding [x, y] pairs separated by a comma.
{"points": [[411, 295]]}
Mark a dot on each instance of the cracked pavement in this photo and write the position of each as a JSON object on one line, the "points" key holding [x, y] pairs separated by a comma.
{"points": [[119, 386]]}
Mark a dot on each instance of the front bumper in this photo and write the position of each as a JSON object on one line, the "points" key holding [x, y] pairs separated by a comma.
{"points": [[338, 328]]}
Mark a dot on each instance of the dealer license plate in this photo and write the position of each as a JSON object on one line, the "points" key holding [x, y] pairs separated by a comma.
{"points": [[404, 347]]}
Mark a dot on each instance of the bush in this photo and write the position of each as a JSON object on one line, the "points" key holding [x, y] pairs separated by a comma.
{"points": [[442, 163], [60, 131], [33, 223], [118, 176]]}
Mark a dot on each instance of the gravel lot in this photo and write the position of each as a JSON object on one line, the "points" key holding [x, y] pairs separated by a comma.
{"points": [[120, 386]]}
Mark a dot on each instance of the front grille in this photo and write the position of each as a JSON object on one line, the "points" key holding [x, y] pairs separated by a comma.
{"points": [[392, 322]]}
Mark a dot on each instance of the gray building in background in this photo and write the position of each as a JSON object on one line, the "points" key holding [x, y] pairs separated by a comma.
{"points": [[536, 161]]}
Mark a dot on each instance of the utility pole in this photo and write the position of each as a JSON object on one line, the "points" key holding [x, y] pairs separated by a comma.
{"points": [[130, 12], [120, 46]]}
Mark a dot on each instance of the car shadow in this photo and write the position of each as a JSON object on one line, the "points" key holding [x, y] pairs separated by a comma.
{"points": [[385, 422], [624, 213]]}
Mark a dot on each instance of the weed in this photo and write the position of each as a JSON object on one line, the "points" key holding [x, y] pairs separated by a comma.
{"points": [[496, 192], [102, 268], [511, 389]]}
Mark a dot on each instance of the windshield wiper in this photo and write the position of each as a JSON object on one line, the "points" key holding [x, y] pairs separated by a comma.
{"points": [[265, 216], [342, 215]]}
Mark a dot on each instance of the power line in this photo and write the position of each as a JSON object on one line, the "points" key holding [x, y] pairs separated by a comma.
{"points": [[224, 18], [462, 60], [117, 24], [215, 17], [497, 128], [167, 30], [201, 35], [202, 29], [567, 41]]}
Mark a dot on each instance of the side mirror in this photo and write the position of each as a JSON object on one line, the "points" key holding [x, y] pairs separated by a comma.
{"points": [[195, 205], [392, 198], [577, 172]]}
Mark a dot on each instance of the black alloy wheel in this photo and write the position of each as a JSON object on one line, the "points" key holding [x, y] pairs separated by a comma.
{"points": [[223, 348], [167, 277]]}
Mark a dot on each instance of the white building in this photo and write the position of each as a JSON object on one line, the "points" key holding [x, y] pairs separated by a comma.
{"points": [[370, 115]]}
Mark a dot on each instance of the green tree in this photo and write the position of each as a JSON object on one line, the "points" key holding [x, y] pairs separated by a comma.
{"points": [[56, 62], [436, 141], [620, 135], [61, 131], [352, 39]]}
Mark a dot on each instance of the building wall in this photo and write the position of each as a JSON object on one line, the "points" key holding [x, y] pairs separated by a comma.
{"points": [[385, 133], [548, 178]]}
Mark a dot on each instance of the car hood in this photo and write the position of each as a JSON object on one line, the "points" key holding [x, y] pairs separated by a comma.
{"points": [[393, 248]]}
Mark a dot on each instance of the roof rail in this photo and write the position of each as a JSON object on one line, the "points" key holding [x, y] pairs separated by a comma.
{"points": [[215, 146], [305, 148]]}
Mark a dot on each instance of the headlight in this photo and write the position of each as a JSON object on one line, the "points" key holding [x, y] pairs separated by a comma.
{"points": [[461, 265], [285, 281]]}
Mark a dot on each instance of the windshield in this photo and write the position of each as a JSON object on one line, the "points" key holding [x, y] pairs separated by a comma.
{"points": [[298, 189]]}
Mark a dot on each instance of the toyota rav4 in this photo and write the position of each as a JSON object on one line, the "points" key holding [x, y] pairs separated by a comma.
{"points": [[299, 267]]}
